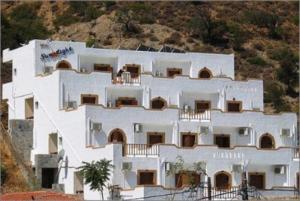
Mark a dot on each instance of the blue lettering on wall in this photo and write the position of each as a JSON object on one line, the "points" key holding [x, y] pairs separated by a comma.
{"points": [[58, 54]]}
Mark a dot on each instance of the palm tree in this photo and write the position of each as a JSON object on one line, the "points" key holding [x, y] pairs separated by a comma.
{"points": [[96, 174]]}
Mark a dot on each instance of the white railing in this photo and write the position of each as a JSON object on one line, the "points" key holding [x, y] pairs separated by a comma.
{"points": [[194, 115], [141, 150], [126, 79]]}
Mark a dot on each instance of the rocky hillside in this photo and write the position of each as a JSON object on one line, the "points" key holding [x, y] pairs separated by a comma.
{"points": [[263, 36]]}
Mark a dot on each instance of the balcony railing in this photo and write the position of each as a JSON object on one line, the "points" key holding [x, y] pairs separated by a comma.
{"points": [[194, 115], [126, 79], [141, 150]]}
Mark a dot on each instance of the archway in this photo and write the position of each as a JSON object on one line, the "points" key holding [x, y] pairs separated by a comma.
{"points": [[63, 65], [205, 73], [222, 180], [267, 141], [158, 103], [117, 136]]}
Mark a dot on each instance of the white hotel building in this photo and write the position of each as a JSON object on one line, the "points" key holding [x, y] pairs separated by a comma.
{"points": [[143, 109]]}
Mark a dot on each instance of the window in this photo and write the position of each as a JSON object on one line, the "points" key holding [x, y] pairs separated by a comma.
{"points": [[257, 180], [63, 65], [267, 141], [146, 177], [52, 143], [171, 72], [155, 138], [78, 183], [186, 178], [188, 139], [202, 106], [133, 69], [158, 103], [29, 110], [222, 180], [126, 101], [205, 73], [103, 67], [234, 106], [222, 141], [89, 99], [298, 181], [48, 177]]}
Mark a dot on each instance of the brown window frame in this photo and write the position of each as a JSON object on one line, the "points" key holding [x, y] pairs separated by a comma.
{"points": [[126, 99], [237, 102], [133, 75], [202, 101], [258, 173], [186, 174], [146, 171], [149, 134], [89, 96], [206, 70], [189, 133], [169, 70], [221, 135], [103, 67]]}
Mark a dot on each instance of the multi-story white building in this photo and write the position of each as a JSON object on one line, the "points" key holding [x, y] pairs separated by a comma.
{"points": [[142, 110]]}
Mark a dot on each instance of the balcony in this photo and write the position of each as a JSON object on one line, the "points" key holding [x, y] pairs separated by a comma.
{"points": [[192, 115], [143, 150], [125, 78]]}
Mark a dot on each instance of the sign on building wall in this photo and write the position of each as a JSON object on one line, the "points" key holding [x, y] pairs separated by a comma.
{"points": [[58, 54]]}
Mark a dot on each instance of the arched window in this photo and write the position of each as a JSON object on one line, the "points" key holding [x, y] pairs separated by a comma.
{"points": [[158, 103], [205, 73], [222, 180], [117, 136], [267, 141], [63, 65]]}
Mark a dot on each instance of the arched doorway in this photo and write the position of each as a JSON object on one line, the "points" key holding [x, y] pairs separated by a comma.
{"points": [[63, 65], [222, 180], [205, 73], [158, 103], [267, 141]]}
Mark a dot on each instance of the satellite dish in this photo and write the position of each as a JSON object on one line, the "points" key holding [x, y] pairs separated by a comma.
{"points": [[60, 155]]}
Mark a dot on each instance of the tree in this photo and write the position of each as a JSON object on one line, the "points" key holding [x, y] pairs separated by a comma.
{"points": [[96, 174]]}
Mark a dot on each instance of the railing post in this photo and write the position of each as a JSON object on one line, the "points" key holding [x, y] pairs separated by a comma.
{"points": [[244, 186], [209, 188]]}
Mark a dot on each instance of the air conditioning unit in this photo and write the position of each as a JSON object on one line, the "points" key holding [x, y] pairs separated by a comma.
{"points": [[285, 132], [71, 105], [96, 126], [243, 131], [186, 108], [48, 69], [137, 128], [236, 168], [204, 130], [168, 166], [126, 166], [279, 169], [83, 70]]}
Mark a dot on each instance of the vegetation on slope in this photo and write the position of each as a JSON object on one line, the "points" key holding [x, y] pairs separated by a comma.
{"points": [[263, 36]]}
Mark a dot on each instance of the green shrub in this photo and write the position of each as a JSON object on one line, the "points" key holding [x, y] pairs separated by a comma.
{"points": [[257, 60], [274, 93], [3, 174], [280, 54], [92, 13], [237, 36], [174, 38], [90, 42]]}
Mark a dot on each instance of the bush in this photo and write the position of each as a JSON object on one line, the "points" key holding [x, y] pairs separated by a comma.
{"points": [[3, 174], [237, 36], [257, 61], [90, 42], [280, 54], [274, 93], [65, 20]]}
